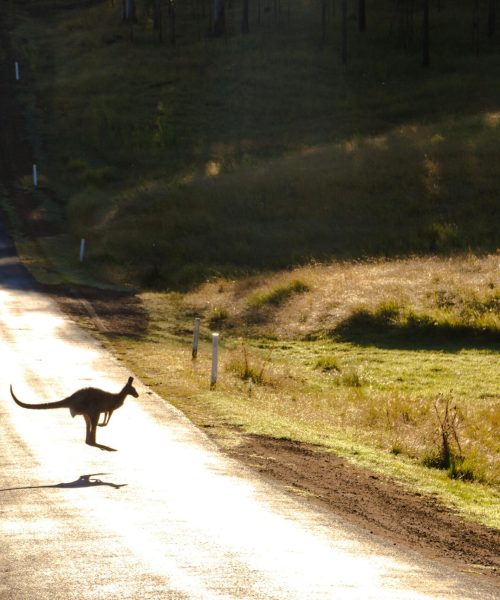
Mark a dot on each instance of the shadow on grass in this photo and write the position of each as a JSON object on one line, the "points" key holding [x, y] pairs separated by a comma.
{"points": [[368, 329]]}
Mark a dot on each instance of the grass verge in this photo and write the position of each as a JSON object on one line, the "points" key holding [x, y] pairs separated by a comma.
{"points": [[386, 406]]}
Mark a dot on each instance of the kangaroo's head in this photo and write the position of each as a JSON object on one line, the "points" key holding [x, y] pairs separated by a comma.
{"points": [[129, 389]]}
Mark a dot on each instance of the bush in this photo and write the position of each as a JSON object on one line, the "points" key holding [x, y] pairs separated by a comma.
{"points": [[247, 371], [351, 378], [217, 317]]}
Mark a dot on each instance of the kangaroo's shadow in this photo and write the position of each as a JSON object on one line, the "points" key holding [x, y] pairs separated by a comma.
{"points": [[83, 481], [102, 447]]}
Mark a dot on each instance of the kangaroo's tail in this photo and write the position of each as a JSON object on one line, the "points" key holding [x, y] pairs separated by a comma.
{"points": [[61, 404]]}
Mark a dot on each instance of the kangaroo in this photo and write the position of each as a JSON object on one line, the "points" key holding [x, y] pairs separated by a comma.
{"points": [[91, 403]]}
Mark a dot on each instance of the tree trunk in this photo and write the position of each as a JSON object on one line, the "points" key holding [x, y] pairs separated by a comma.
{"points": [[244, 20], [492, 18], [158, 19], [129, 13], [173, 31], [219, 27], [361, 15], [475, 26], [323, 21], [426, 59], [344, 32]]}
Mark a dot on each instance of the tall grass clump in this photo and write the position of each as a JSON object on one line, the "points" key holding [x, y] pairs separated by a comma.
{"points": [[250, 370], [447, 453], [278, 295], [328, 364]]}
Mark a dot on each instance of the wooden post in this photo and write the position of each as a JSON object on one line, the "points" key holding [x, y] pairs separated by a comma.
{"points": [[35, 176], [16, 66], [82, 249], [215, 359], [196, 337]]}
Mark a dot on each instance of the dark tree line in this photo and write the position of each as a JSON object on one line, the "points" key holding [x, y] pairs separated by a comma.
{"points": [[413, 18]]}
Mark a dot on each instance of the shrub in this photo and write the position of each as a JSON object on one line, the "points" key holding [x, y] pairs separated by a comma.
{"points": [[351, 378], [397, 448], [387, 312], [217, 317], [463, 469], [447, 454], [247, 371]]}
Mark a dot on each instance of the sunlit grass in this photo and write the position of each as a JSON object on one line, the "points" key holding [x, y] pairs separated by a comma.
{"points": [[378, 403], [277, 391], [428, 296]]}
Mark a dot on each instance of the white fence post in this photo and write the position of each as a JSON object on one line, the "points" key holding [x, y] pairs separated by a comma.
{"points": [[82, 249], [196, 337], [215, 359], [35, 176], [16, 66]]}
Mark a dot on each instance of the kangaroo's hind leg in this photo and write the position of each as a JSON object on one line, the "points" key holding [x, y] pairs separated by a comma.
{"points": [[91, 421], [88, 430]]}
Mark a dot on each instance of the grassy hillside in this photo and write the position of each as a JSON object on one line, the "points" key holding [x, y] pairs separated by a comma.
{"points": [[260, 151]]}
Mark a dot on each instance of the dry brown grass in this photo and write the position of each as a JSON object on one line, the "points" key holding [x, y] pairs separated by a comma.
{"points": [[336, 290]]}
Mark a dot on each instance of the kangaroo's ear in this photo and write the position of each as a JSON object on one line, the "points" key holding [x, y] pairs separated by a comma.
{"points": [[130, 380]]}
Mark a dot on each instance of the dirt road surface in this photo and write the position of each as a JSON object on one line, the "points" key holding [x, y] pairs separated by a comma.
{"points": [[165, 515]]}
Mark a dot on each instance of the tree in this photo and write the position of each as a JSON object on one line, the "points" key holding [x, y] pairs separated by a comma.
{"points": [[129, 12], [362, 15], [219, 26], [323, 21], [172, 14], [492, 18], [426, 59], [344, 32], [158, 19], [244, 20]]}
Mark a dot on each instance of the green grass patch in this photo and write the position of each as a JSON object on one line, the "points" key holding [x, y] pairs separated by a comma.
{"points": [[469, 318], [385, 421]]}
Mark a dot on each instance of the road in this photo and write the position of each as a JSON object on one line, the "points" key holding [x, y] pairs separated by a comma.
{"points": [[166, 515]]}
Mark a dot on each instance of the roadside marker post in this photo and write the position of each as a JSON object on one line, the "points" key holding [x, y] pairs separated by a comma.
{"points": [[35, 176], [16, 67], [215, 359], [82, 249], [196, 337]]}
